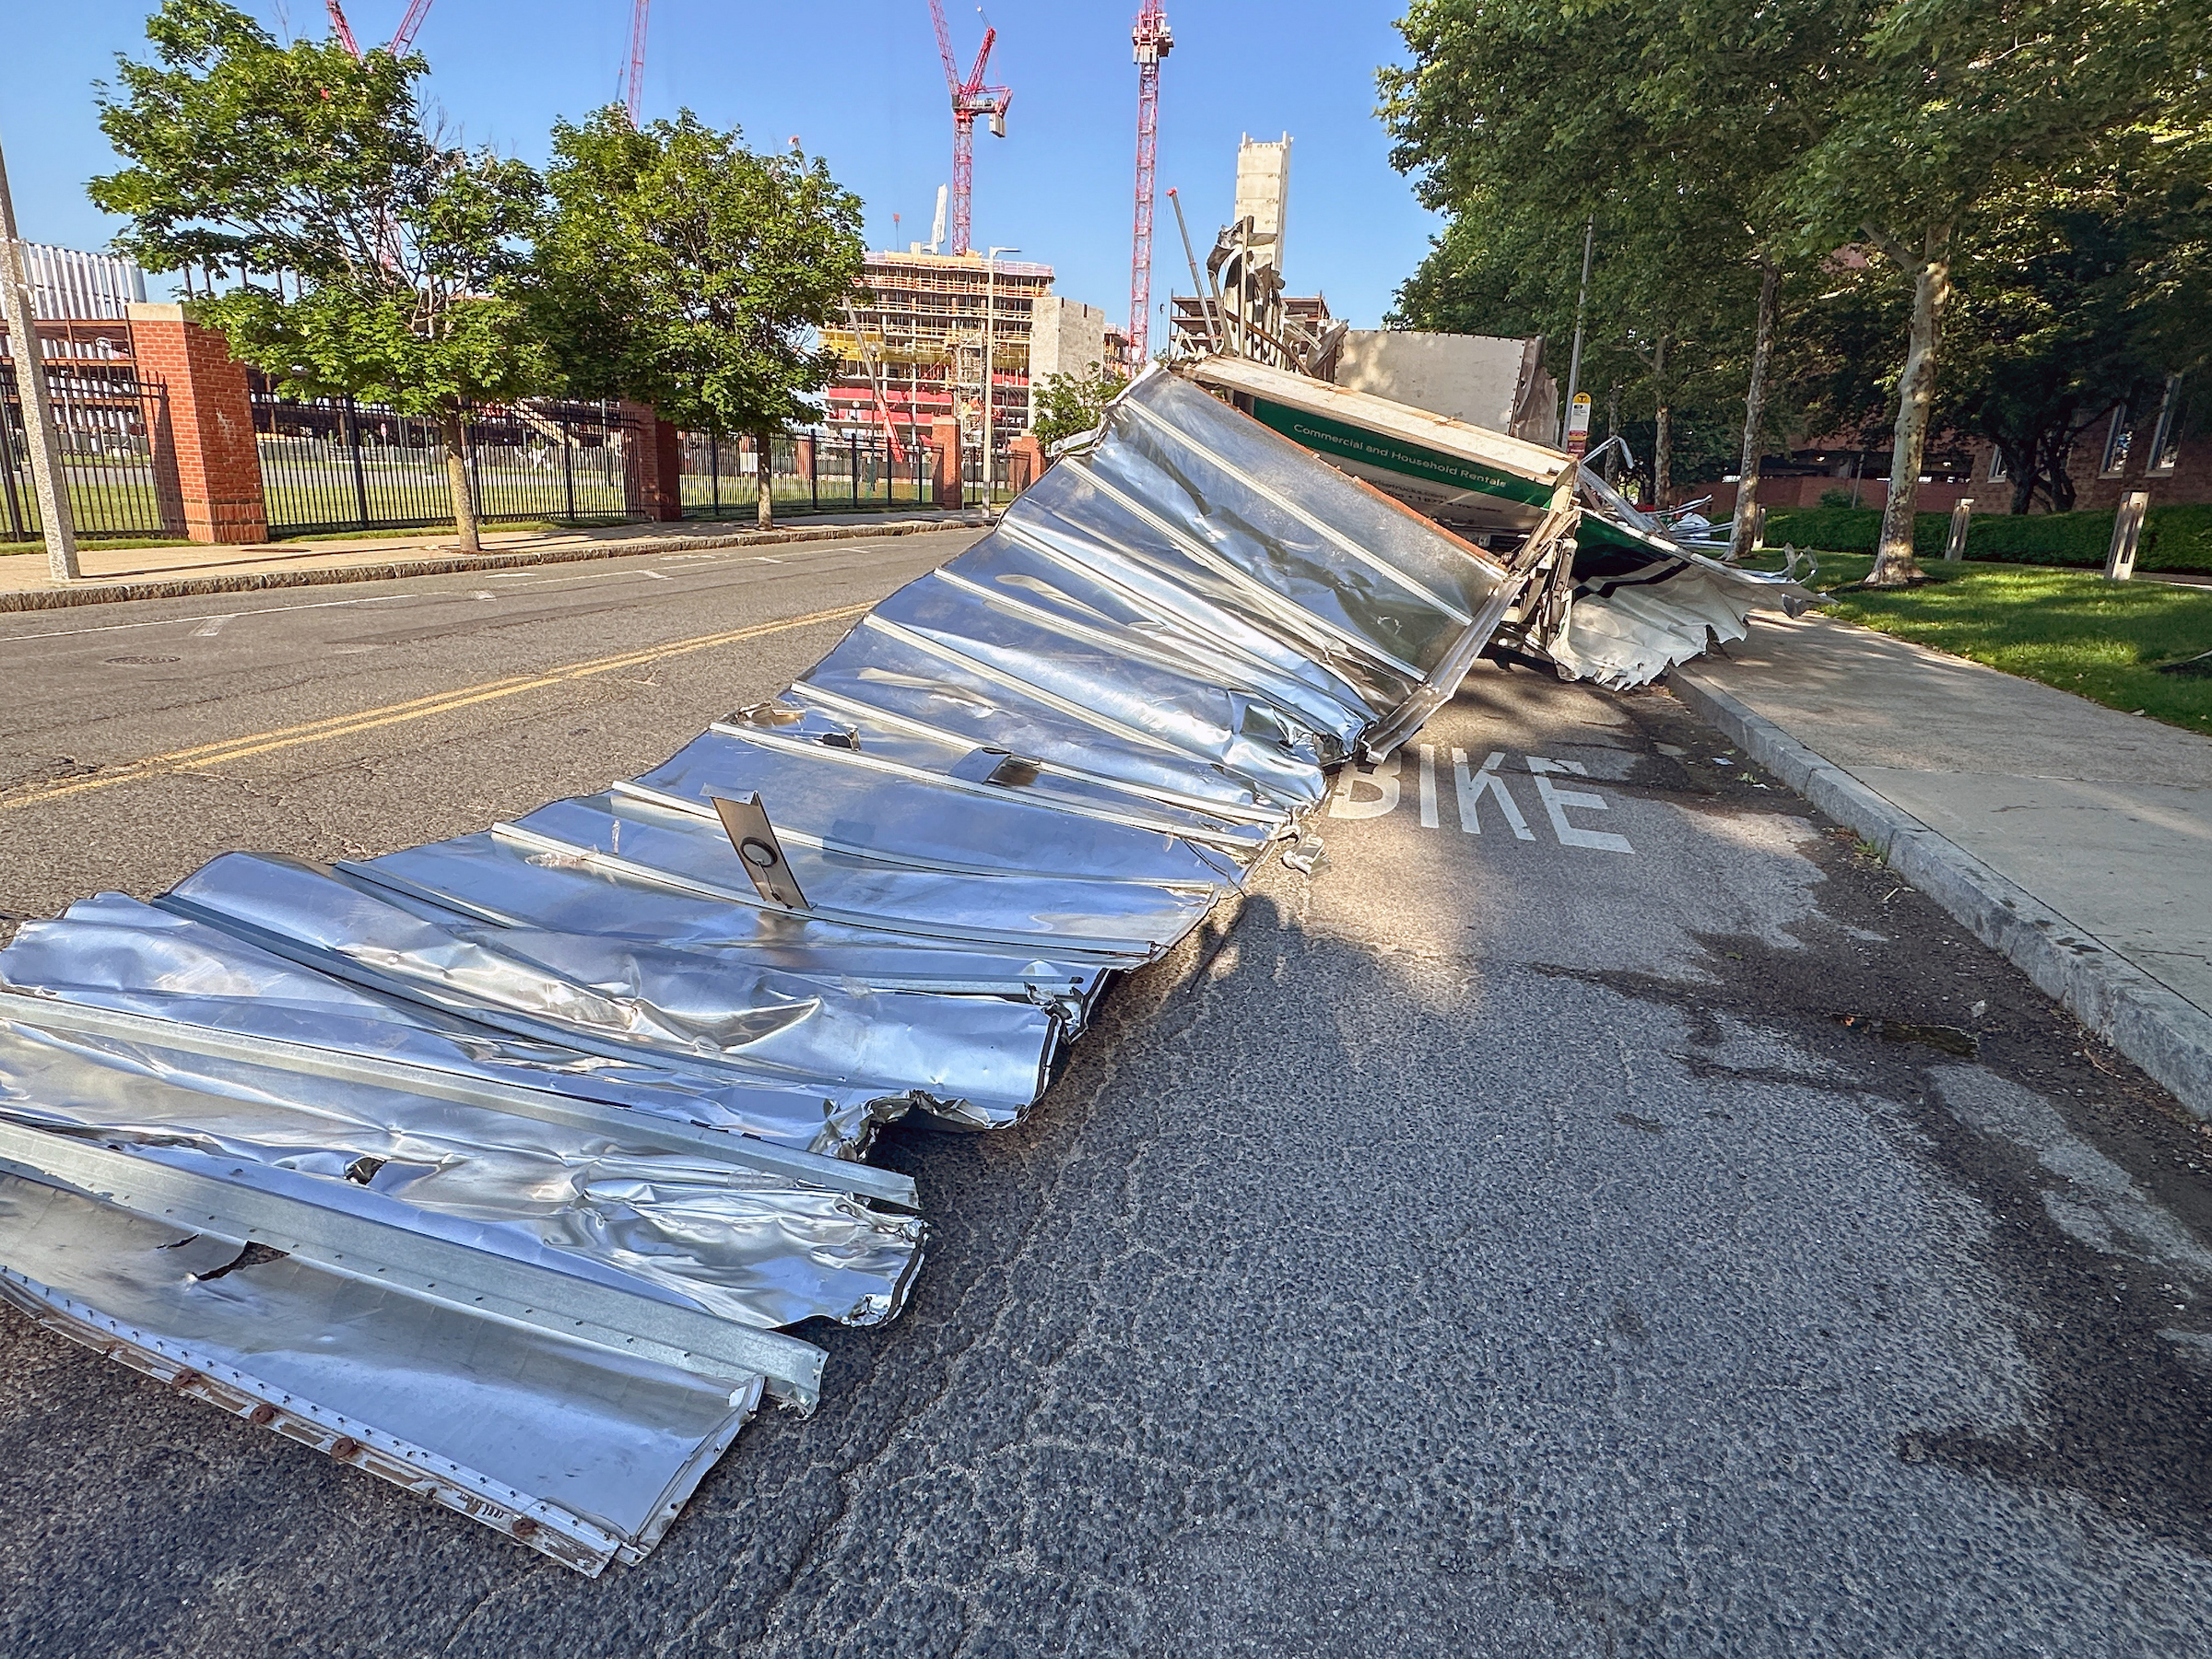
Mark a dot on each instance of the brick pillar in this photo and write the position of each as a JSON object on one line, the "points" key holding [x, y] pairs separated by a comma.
{"points": [[667, 472], [652, 464], [210, 433], [1024, 462], [945, 461]]}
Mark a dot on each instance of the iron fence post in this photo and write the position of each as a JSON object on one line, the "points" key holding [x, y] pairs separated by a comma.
{"points": [[852, 465], [360, 474], [814, 473], [7, 462], [475, 484], [714, 469]]}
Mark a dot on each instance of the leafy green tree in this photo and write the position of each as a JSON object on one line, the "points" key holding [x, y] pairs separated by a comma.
{"points": [[1671, 346], [1068, 404], [1666, 123], [683, 270], [255, 161], [1945, 110]]}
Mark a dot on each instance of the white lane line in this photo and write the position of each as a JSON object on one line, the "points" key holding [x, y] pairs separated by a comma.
{"points": [[68, 633], [209, 628], [657, 576]]}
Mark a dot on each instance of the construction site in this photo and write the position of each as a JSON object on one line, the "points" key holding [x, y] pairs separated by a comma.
{"points": [[913, 350]]}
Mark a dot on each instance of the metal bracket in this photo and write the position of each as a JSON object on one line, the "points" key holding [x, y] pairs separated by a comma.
{"points": [[745, 823]]}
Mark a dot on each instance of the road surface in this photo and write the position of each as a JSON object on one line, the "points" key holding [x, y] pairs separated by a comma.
{"points": [[1512, 1243]]}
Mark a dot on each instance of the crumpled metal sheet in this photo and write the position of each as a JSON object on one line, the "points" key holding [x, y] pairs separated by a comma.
{"points": [[1612, 599], [260, 1136], [1641, 602]]}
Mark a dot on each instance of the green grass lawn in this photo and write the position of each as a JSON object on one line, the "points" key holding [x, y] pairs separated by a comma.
{"points": [[2070, 628]]}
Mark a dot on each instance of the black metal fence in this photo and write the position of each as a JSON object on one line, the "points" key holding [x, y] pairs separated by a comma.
{"points": [[822, 472], [117, 458], [335, 465]]}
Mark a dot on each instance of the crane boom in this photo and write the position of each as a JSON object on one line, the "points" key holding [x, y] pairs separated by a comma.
{"points": [[952, 71], [971, 98], [637, 59], [402, 38], [343, 30], [1152, 41], [409, 26]]}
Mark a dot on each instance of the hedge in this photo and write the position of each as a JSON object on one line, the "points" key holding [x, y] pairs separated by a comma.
{"points": [[2174, 538]]}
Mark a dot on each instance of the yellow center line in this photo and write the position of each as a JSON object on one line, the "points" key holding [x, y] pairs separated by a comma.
{"points": [[339, 725]]}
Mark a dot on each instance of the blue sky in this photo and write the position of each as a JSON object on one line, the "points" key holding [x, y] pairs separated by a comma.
{"points": [[859, 82]]}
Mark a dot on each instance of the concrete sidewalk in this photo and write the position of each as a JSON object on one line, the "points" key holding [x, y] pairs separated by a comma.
{"points": [[168, 573], [2075, 840]]}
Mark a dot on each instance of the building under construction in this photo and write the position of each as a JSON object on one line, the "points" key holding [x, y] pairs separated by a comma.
{"points": [[912, 350]]}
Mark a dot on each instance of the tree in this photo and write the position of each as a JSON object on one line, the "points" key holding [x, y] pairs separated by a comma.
{"points": [[2080, 299], [1068, 404], [254, 160], [1948, 106], [1668, 122], [683, 270], [1665, 339]]}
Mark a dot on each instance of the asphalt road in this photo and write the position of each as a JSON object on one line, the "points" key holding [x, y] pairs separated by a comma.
{"points": [[1492, 1244]]}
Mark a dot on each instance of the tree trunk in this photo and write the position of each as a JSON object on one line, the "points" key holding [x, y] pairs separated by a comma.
{"points": [[1755, 407], [1663, 435], [764, 474], [456, 479], [1893, 563]]}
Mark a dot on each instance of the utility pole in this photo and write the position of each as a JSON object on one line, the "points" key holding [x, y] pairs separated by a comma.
{"points": [[54, 514], [1581, 304], [990, 346]]}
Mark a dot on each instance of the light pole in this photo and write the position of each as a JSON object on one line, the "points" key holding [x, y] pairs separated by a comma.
{"points": [[1574, 362], [990, 346]]}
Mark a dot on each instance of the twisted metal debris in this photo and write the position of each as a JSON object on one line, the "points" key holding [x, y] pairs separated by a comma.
{"points": [[499, 1167]]}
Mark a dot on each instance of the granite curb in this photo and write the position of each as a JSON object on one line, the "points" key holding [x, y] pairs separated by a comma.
{"points": [[97, 592], [2162, 1031]]}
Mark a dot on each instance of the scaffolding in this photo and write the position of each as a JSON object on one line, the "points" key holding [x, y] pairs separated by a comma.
{"points": [[921, 323]]}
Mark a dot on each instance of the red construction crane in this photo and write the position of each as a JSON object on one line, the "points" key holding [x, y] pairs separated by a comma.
{"points": [[1153, 41], [637, 59], [402, 38], [971, 98], [409, 26]]}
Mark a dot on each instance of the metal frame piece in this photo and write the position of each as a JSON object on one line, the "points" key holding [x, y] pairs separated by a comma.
{"points": [[434, 1269], [833, 1174]]}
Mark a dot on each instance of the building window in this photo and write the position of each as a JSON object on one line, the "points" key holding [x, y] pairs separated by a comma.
{"points": [[1998, 472], [2118, 438], [2166, 445]]}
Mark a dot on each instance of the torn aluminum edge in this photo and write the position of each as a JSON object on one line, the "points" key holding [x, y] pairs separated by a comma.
{"points": [[380, 1149]]}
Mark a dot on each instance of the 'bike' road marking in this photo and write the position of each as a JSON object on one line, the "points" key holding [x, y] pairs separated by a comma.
{"points": [[340, 726], [71, 633], [1471, 788]]}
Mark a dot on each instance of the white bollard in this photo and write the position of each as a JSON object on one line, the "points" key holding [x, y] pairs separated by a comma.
{"points": [[2128, 530]]}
